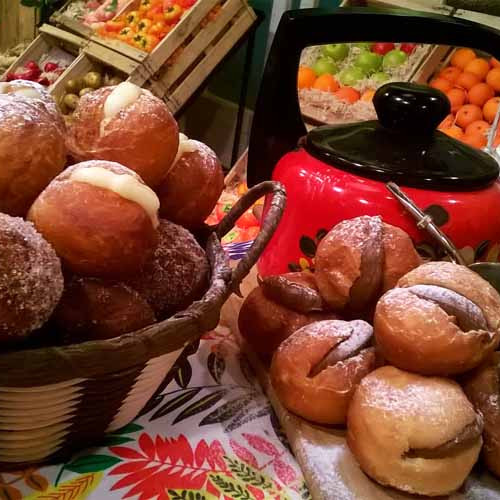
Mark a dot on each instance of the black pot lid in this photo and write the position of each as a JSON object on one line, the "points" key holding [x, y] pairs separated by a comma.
{"points": [[403, 145]]}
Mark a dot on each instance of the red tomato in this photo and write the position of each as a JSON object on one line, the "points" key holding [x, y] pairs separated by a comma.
{"points": [[222, 209], [382, 47], [252, 232], [247, 220], [212, 220], [234, 236], [186, 4], [155, 13]]}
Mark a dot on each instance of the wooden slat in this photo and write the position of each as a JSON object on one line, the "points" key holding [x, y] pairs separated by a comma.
{"points": [[436, 58], [212, 57], [477, 17], [435, 6], [17, 24], [63, 36]]}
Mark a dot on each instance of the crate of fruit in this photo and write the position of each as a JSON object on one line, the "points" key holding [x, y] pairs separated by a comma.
{"points": [[94, 68], [47, 58], [199, 53], [336, 82]]}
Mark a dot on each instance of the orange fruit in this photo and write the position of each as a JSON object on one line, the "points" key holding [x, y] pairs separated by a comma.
{"points": [[477, 127], [457, 98], [493, 79], [467, 80], [468, 114], [305, 78], [453, 131], [450, 73], [347, 94], [490, 109], [479, 67], [441, 84], [480, 93], [447, 122], [462, 57], [368, 95], [494, 62], [475, 140], [326, 83]]}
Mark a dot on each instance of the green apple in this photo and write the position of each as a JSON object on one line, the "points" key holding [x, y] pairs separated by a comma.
{"points": [[337, 51], [380, 77], [325, 65], [363, 45], [368, 62], [394, 58], [351, 76]]}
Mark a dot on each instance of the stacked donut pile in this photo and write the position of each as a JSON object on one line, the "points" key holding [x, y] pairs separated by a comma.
{"points": [[96, 217], [401, 352]]}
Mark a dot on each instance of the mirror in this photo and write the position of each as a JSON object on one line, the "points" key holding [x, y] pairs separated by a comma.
{"points": [[336, 83]]}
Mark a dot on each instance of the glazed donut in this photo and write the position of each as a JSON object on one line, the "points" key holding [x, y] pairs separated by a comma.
{"points": [[94, 309], [443, 320], [482, 387], [316, 370], [31, 280], [359, 259], [265, 322], [176, 274], [128, 125], [417, 434], [32, 151], [193, 185], [116, 236]]}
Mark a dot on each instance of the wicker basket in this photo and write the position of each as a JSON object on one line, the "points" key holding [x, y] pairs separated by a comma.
{"points": [[54, 400]]}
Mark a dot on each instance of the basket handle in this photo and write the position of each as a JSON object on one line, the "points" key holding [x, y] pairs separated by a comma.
{"points": [[268, 225]]}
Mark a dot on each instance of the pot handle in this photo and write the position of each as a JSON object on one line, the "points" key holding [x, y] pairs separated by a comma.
{"points": [[277, 123], [269, 224]]}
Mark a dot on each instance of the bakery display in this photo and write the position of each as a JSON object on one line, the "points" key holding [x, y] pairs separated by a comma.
{"points": [[443, 319], [482, 387], [196, 169], [112, 240], [417, 434], [176, 274], [128, 125], [265, 323], [359, 259], [316, 369], [31, 280], [32, 151], [95, 309]]}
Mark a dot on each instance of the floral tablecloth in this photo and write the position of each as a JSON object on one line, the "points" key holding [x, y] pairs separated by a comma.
{"points": [[209, 433]]}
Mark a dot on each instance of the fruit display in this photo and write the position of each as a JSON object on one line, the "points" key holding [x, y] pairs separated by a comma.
{"points": [[9, 57], [336, 82], [74, 88], [399, 352], [472, 83], [93, 13], [146, 26]]}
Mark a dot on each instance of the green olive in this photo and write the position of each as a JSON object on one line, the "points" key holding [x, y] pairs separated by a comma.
{"points": [[71, 101], [92, 79], [86, 90]]}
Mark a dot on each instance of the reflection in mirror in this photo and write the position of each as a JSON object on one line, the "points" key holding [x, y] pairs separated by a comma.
{"points": [[337, 82]]}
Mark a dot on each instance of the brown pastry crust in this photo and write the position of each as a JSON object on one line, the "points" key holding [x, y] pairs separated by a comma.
{"points": [[95, 309], [395, 414], [325, 396], [482, 387], [440, 323], [113, 240]]}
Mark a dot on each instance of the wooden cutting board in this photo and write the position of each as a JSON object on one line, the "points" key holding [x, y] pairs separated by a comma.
{"points": [[330, 469]]}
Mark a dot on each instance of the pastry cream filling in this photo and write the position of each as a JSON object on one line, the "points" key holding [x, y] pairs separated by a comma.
{"points": [[186, 145], [124, 185], [123, 95]]}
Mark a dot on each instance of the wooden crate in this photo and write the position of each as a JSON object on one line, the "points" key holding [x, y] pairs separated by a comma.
{"points": [[48, 38], [435, 6], [200, 53], [18, 24]]}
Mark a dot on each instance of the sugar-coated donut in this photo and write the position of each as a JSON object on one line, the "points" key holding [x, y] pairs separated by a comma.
{"points": [[443, 320], [176, 274], [322, 397], [95, 309], [265, 323], [482, 387], [32, 151], [193, 185], [31, 280], [417, 434], [128, 125], [359, 259], [100, 218]]}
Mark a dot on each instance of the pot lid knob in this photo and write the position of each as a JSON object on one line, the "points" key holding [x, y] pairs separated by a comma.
{"points": [[409, 107]]}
